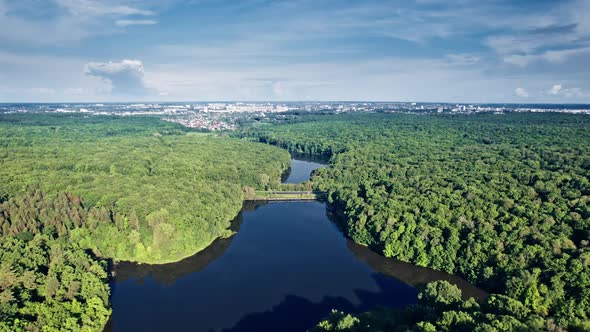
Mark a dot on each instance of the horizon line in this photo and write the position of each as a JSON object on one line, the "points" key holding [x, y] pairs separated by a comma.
{"points": [[287, 101]]}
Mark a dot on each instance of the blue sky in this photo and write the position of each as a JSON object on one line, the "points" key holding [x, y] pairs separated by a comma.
{"points": [[191, 50]]}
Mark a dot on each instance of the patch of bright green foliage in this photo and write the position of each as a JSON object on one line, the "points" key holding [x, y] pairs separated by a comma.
{"points": [[51, 285], [76, 189], [440, 308], [183, 189]]}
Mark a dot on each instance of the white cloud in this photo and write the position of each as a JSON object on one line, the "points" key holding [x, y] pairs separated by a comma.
{"points": [[125, 23], [463, 59], [521, 92], [388, 79], [574, 93], [292, 89], [43, 93], [555, 90], [290, 49], [395, 79], [124, 77], [558, 35], [100, 7], [553, 57], [58, 73], [60, 22]]}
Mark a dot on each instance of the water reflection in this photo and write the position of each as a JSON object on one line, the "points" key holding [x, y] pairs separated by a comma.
{"points": [[287, 258], [411, 274], [286, 268], [167, 274], [296, 313], [302, 165]]}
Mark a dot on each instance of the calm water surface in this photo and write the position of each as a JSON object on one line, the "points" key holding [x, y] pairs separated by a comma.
{"points": [[301, 167], [285, 269]]}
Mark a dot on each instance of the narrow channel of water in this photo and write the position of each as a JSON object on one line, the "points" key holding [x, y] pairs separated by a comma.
{"points": [[285, 269], [302, 166]]}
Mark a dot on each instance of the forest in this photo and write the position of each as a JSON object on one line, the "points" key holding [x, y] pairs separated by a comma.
{"points": [[78, 191], [154, 193], [502, 200]]}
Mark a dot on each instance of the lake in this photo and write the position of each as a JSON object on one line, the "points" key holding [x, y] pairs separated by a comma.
{"points": [[302, 166], [287, 266]]}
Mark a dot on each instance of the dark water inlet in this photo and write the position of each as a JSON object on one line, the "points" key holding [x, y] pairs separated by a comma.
{"points": [[302, 166], [285, 269]]}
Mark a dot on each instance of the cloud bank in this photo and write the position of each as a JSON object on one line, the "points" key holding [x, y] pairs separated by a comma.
{"points": [[520, 92], [124, 77], [61, 22], [423, 50], [126, 23]]}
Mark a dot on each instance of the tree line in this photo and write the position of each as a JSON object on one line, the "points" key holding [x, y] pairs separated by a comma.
{"points": [[502, 200], [77, 190], [167, 192]]}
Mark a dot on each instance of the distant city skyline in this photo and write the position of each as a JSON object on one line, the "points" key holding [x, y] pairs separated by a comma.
{"points": [[469, 51]]}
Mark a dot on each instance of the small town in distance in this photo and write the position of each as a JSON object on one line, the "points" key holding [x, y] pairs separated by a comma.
{"points": [[219, 116]]}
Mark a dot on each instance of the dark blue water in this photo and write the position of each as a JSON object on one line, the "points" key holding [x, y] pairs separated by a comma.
{"points": [[301, 168], [285, 269]]}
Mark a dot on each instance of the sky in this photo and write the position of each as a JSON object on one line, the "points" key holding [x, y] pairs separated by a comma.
{"points": [[494, 51]]}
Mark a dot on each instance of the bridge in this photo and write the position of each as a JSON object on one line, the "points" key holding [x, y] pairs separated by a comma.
{"points": [[277, 195]]}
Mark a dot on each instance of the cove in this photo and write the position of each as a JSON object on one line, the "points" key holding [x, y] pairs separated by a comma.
{"points": [[302, 165], [285, 268]]}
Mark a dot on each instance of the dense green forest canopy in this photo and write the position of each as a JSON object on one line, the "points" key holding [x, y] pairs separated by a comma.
{"points": [[440, 308], [168, 193], [51, 285], [502, 200], [48, 282], [75, 190]]}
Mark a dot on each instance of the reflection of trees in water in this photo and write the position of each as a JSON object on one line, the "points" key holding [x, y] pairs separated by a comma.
{"points": [[250, 206], [295, 313], [167, 274], [312, 158], [410, 274]]}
